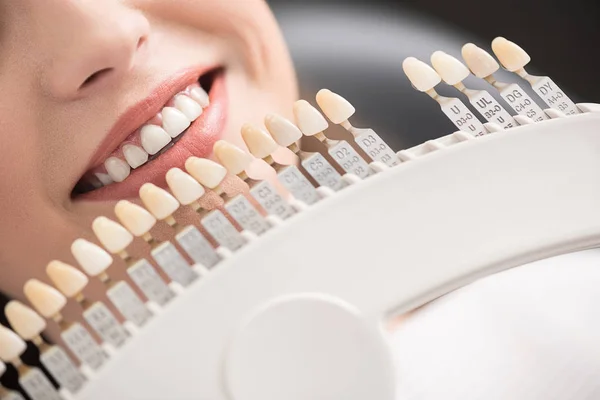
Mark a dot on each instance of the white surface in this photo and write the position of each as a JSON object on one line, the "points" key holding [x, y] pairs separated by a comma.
{"points": [[420, 74], [459, 210], [451, 70], [480, 62], [309, 119], [511, 56], [337, 108]]}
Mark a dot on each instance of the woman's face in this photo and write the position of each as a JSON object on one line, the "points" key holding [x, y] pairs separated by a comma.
{"points": [[80, 78]]}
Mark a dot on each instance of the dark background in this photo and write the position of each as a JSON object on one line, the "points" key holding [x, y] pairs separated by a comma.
{"points": [[356, 48]]}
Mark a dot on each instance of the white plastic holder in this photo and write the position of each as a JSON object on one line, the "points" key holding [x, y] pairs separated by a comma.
{"points": [[299, 314]]}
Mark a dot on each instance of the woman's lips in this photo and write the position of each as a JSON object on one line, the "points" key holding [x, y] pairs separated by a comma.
{"points": [[197, 140]]}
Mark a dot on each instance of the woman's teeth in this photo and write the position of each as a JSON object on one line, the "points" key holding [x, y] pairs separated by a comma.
{"points": [[150, 139]]}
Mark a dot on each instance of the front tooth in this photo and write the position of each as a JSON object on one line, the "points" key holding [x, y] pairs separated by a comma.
{"points": [[117, 169], [174, 121], [200, 96], [154, 138], [134, 155], [105, 179], [188, 107]]}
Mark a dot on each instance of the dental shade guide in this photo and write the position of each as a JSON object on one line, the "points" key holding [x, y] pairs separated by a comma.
{"points": [[286, 134], [29, 325], [483, 66], [262, 145], [49, 302], [5, 393], [453, 72], [514, 59], [299, 313], [31, 379]]}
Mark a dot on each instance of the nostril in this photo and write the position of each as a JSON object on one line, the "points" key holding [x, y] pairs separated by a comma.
{"points": [[141, 42], [94, 77]]}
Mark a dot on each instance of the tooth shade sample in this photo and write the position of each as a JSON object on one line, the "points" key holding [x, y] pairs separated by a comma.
{"points": [[200, 96], [259, 142], [112, 235], [421, 75], [190, 108], [283, 130], [511, 56], [117, 169], [309, 119], [209, 173], [234, 159], [44, 298], [11, 345], [27, 323], [185, 188], [335, 107], [480, 62], [174, 121], [135, 156], [451, 70], [68, 279], [92, 258], [158, 201], [154, 138], [135, 218]]}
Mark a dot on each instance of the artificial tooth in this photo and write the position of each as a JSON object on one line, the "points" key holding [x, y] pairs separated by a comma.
{"points": [[92, 258], [136, 219], [105, 179], [113, 236], [511, 55], [135, 156], [207, 172], [190, 108], [185, 188], [154, 138], [337, 108], [283, 130], [158, 201], [232, 157], [68, 279], [44, 298], [200, 96], [11, 345], [117, 169], [26, 323], [309, 119], [479, 61], [174, 122], [260, 143], [451, 70], [421, 75]]}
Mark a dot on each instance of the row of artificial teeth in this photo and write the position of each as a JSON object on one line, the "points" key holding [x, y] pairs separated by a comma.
{"points": [[175, 120]]}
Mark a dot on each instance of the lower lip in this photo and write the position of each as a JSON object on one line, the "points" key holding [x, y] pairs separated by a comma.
{"points": [[197, 140]]}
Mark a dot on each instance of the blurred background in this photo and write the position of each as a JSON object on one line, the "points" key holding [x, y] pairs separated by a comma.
{"points": [[356, 48]]}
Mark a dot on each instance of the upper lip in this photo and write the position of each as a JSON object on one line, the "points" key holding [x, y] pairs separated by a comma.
{"points": [[144, 110]]}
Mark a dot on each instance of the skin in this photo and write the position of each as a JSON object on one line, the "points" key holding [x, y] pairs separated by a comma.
{"points": [[52, 125]]}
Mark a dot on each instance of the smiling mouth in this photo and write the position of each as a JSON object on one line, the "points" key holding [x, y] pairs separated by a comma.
{"points": [[153, 139]]}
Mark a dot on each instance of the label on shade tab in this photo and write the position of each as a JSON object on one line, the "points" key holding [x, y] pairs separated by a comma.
{"points": [[128, 303], [83, 345], [103, 321], [247, 215], [491, 110], [462, 117], [142, 273], [170, 260], [349, 159], [10, 395], [60, 366], [323, 172], [223, 231], [299, 186], [375, 147], [37, 386], [554, 96], [522, 103], [268, 197], [197, 247]]}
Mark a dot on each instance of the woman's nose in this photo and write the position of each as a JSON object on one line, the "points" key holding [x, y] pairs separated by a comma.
{"points": [[96, 45]]}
